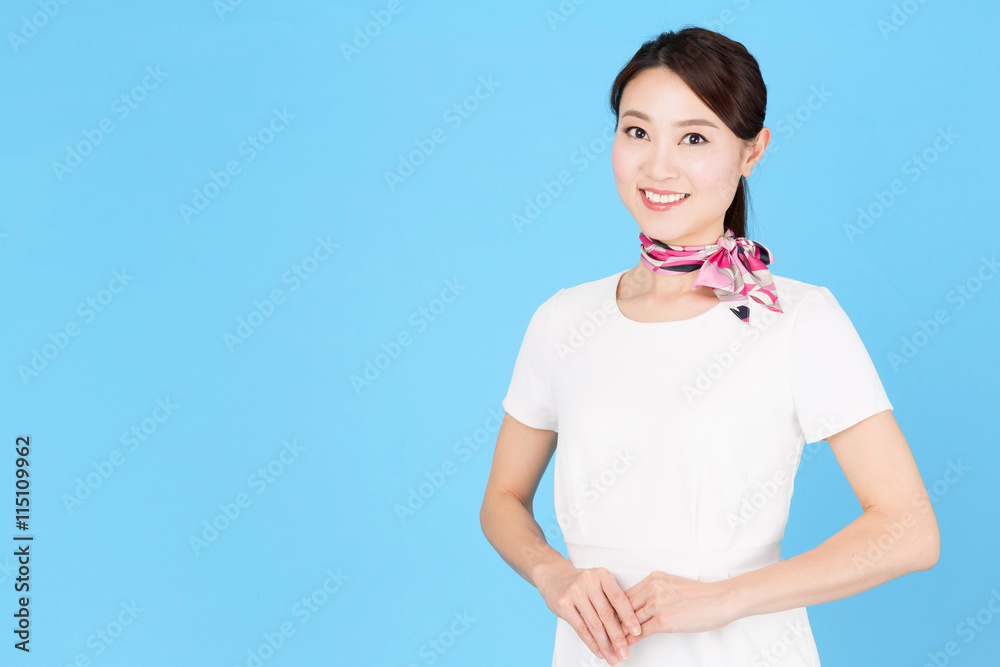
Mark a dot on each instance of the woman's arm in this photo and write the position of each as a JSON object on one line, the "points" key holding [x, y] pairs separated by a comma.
{"points": [[897, 532], [506, 516], [588, 599]]}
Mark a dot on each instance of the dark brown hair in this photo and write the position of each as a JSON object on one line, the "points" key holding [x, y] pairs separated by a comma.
{"points": [[723, 75]]}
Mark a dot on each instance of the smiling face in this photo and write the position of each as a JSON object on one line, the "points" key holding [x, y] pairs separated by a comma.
{"points": [[669, 141]]}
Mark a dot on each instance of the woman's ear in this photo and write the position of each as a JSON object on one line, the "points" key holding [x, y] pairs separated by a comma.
{"points": [[755, 151]]}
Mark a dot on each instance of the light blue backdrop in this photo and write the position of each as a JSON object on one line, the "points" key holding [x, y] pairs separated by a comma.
{"points": [[200, 247]]}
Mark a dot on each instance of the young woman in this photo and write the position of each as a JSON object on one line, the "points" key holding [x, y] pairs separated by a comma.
{"points": [[683, 391]]}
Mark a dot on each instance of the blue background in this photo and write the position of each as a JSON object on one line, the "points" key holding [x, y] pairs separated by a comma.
{"points": [[435, 263]]}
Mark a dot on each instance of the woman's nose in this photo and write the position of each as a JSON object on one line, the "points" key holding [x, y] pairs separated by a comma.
{"points": [[662, 164]]}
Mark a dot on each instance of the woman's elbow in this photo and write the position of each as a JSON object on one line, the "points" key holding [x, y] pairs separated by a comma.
{"points": [[929, 551]]}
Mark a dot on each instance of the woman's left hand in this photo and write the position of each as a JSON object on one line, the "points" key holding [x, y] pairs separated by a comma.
{"points": [[670, 603]]}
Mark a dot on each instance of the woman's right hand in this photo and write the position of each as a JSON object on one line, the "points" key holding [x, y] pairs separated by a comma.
{"points": [[593, 603]]}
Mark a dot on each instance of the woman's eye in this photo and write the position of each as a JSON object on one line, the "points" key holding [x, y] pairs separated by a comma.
{"points": [[641, 134]]}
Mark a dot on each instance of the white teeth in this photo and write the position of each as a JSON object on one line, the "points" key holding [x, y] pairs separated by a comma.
{"points": [[663, 199]]}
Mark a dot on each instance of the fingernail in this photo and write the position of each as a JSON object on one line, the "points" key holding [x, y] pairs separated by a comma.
{"points": [[636, 630], [623, 652]]}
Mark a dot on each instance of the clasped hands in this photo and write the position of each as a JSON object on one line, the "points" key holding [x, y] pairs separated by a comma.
{"points": [[610, 620]]}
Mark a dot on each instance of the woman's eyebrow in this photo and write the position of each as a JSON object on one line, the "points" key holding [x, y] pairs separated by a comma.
{"points": [[681, 123]]}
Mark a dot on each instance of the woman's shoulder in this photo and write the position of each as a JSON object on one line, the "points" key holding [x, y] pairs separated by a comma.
{"points": [[799, 298], [792, 284], [598, 293], [792, 293]]}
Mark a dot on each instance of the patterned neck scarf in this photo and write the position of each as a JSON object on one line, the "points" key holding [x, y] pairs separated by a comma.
{"points": [[734, 267]]}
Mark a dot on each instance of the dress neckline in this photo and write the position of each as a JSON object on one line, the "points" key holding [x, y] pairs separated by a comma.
{"points": [[615, 279]]}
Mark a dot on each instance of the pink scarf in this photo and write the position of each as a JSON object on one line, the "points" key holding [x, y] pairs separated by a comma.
{"points": [[734, 267]]}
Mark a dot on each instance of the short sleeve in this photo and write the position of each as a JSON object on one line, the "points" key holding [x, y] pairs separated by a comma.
{"points": [[834, 382], [529, 397]]}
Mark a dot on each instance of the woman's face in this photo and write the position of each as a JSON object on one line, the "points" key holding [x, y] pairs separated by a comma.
{"points": [[669, 140]]}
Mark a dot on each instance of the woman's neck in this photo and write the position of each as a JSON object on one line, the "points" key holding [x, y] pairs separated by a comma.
{"points": [[640, 281]]}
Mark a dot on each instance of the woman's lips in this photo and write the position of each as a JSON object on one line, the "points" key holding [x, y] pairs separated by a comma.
{"points": [[654, 206]]}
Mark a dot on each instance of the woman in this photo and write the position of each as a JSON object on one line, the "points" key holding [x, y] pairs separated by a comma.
{"points": [[683, 391]]}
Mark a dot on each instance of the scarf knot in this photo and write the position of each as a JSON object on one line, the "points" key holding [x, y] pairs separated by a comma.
{"points": [[734, 267]]}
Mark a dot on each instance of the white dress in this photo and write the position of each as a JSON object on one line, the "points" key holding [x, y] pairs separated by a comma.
{"points": [[678, 446]]}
